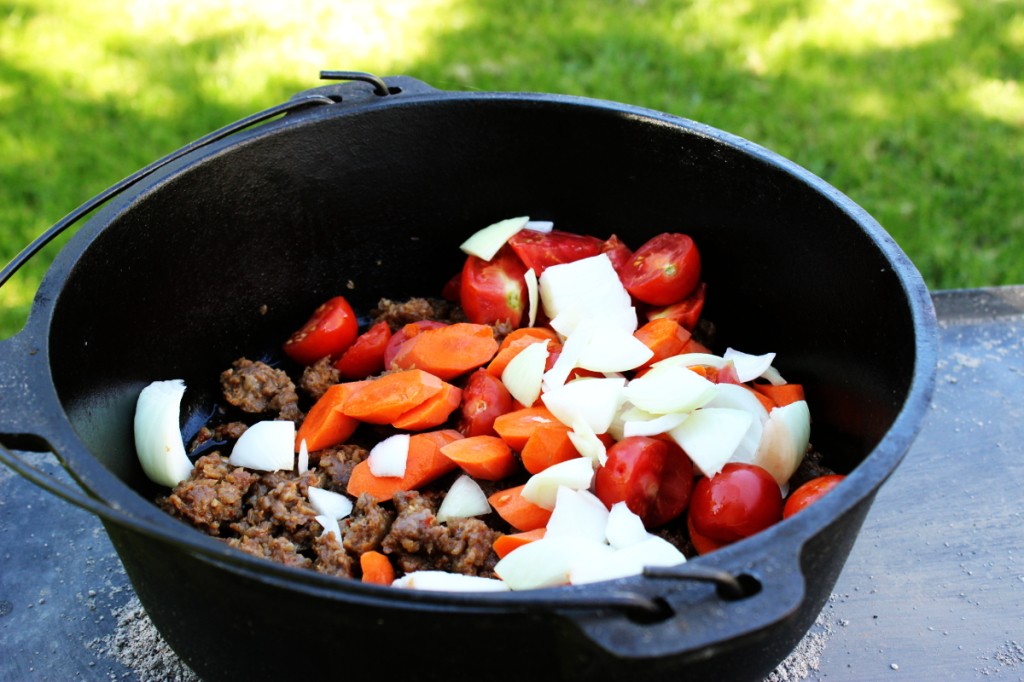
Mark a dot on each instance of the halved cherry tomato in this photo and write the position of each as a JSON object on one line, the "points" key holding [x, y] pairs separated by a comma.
{"points": [[702, 543], [541, 250], [401, 336], [740, 500], [653, 477], [686, 312], [809, 493], [484, 399], [618, 253], [452, 291], [331, 329], [494, 291], [366, 355], [664, 270]]}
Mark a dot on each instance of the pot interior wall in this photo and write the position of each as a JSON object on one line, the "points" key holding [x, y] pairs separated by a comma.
{"points": [[227, 256]]}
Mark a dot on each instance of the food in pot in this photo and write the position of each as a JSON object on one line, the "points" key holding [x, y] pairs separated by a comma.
{"points": [[526, 434]]}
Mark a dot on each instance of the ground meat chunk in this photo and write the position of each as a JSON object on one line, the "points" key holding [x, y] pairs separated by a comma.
{"points": [[260, 541], [418, 542], [225, 432], [258, 388], [331, 557], [319, 377], [282, 503], [212, 495], [397, 315], [367, 527], [337, 464]]}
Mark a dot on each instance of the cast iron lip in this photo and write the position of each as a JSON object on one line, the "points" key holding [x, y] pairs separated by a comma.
{"points": [[867, 476]]}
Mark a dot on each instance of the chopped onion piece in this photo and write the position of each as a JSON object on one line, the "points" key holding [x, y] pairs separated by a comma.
{"points": [[594, 400], [740, 398], [710, 436], [158, 442], [748, 367], [442, 581], [613, 349], [266, 446], [329, 503], [544, 226], [687, 360], [533, 294], [572, 350], [330, 525], [673, 389], [464, 499], [388, 457], [303, 459], [653, 551], [523, 374], [652, 427], [578, 513], [548, 561], [624, 527], [587, 443], [773, 377], [486, 242], [542, 488], [784, 443], [589, 287]]}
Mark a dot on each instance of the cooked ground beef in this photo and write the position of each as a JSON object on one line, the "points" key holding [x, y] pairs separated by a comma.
{"points": [[258, 388], [417, 542], [319, 377], [212, 496], [282, 501], [367, 527], [260, 541], [397, 315], [231, 431], [337, 463], [331, 557]]}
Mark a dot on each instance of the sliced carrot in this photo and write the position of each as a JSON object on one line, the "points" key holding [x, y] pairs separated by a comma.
{"points": [[782, 395], [486, 457], [376, 568], [386, 399], [517, 426], [400, 337], [432, 412], [518, 512], [424, 464], [505, 355], [766, 402], [663, 336], [693, 346], [506, 543], [448, 352], [547, 445], [366, 355], [326, 424], [533, 333]]}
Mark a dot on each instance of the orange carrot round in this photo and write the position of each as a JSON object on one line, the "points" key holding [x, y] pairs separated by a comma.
{"points": [[376, 568], [520, 513], [506, 543], [485, 457], [449, 351], [326, 424], [384, 400], [432, 412]]}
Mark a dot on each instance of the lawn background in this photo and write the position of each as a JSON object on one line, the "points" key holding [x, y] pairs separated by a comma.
{"points": [[913, 108]]}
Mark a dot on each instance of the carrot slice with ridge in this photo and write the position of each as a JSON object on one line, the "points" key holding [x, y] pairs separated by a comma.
{"points": [[326, 424], [516, 427], [506, 543], [519, 512], [663, 336], [432, 412], [548, 445], [386, 399], [448, 352], [782, 395], [530, 335], [485, 457], [376, 568], [424, 464]]}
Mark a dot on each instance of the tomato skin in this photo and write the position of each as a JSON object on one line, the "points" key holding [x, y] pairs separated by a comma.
{"points": [[737, 502], [809, 493], [618, 253], [330, 330], [366, 355], [686, 312], [401, 336], [494, 291], [484, 399], [452, 291], [664, 270], [653, 477], [701, 543], [541, 250]]}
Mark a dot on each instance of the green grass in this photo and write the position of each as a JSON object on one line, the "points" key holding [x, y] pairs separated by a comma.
{"points": [[914, 108]]}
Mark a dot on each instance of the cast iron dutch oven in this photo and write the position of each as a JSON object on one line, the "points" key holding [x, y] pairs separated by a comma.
{"points": [[223, 248]]}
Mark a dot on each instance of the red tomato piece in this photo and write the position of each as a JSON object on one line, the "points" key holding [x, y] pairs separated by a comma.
{"points": [[401, 336], [653, 477], [735, 503], [702, 543], [541, 250], [484, 399], [810, 492], [494, 291], [452, 291], [685, 312], [366, 355], [331, 329], [618, 253], [664, 270]]}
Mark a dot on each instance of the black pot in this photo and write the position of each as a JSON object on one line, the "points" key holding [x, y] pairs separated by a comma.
{"points": [[223, 248]]}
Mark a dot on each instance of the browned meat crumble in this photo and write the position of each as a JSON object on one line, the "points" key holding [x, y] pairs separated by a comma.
{"points": [[258, 388]]}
